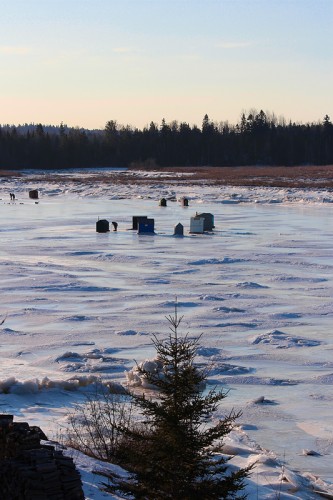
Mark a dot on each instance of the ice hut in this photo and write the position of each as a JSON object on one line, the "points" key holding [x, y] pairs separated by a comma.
{"points": [[179, 230], [208, 221], [146, 226], [102, 226], [197, 225], [163, 202], [184, 202], [33, 194], [136, 219]]}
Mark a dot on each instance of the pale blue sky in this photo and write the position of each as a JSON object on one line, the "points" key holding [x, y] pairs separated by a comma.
{"points": [[85, 62]]}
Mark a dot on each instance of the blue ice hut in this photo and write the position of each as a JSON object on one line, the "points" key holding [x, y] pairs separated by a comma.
{"points": [[208, 221], [102, 226], [146, 226]]}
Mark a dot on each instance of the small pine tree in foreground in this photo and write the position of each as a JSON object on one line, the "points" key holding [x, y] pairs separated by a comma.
{"points": [[172, 453]]}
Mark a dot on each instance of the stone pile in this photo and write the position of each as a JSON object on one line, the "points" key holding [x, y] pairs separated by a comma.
{"points": [[30, 470]]}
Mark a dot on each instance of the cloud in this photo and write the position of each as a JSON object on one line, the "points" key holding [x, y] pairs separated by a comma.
{"points": [[234, 45], [13, 50]]}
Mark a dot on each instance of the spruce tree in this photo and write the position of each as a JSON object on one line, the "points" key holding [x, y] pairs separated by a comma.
{"points": [[172, 453]]}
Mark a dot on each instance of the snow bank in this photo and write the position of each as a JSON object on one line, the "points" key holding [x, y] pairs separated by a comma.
{"points": [[152, 366], [96, 360], [282, 340], [13, 386], [269, 479]]}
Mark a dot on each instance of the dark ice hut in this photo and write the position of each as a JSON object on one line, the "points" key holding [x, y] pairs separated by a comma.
{"points": [[33, 194], [163, 202], [137, 219], [102, 226], [208, 221], [179, 230], [184, 202], [146, 226]]}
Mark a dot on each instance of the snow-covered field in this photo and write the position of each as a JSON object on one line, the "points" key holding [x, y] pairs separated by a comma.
{"points": [[78, 304]]}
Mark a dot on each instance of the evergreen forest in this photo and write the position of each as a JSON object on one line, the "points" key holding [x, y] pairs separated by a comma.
{"points": [[258, 139]]}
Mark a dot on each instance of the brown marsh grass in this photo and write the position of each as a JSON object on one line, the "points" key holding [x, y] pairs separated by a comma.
{"points": [[308, 176]]}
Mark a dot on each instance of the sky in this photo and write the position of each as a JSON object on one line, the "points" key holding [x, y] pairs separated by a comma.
{"points": [[84, 62]]}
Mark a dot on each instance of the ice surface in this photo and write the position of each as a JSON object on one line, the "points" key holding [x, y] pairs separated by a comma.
{"points": [[80, 306]]}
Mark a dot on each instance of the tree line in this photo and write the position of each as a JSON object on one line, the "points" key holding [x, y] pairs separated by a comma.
{"points": [[258, 138]]}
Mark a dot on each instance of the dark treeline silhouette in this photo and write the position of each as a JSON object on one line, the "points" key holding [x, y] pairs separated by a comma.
{"points": [[258, 139]]}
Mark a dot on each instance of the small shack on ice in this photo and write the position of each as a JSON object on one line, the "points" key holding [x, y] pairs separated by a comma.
{"points": [[179, 230], [33, 194], [197, 225], [201, 223], [208, 221], [146, 226], [136, 219], [102, 226]]}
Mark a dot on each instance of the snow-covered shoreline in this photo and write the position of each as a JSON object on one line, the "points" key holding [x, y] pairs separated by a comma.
{"points": [[123, 183]]}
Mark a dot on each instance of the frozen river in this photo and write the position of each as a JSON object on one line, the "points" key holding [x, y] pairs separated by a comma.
{"points": [[259, 289]]}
